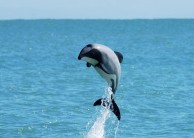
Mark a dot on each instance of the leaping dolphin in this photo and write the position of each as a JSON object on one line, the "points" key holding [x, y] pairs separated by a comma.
{"points": [[107, 63]]}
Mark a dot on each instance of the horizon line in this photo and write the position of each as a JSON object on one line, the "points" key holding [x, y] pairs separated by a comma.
{"points": [[8, 19]]}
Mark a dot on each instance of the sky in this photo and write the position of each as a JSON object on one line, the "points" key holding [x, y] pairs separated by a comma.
{"points": [[96, 9]]}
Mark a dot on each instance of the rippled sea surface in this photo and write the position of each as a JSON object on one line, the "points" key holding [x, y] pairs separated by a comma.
{"points": [[46, 92]]}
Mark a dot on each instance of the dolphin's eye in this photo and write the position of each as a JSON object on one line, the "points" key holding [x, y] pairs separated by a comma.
{"points": [[96, 54]]}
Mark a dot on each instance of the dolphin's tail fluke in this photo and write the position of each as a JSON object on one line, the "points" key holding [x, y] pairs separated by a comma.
{"points": [[112, 105]]}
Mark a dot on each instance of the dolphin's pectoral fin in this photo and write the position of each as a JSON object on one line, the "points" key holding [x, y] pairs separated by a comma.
{"points": [[88, 64], [115, 109], [104, 68], [119, 55]]}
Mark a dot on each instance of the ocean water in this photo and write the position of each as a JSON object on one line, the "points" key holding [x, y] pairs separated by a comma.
{"points": [[45, 92]]}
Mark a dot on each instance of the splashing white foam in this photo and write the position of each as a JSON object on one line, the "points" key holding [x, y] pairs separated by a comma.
{"points": [[116, 129], [98, 128]]}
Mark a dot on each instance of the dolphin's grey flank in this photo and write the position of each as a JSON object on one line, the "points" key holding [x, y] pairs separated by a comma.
{"points": [[107, 63]]}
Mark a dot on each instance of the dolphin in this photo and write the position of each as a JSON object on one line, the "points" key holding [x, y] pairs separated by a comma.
{"points": [[107, 63]]}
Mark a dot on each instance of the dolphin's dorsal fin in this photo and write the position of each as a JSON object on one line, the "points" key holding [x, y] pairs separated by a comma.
{"points": [[119, 55]]}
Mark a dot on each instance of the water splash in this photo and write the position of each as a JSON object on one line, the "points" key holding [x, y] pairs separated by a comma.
{"points": [[98, 128], [116, 129]]}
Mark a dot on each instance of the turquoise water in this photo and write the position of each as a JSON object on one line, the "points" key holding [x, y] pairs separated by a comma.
{"points": [[46, 92]]}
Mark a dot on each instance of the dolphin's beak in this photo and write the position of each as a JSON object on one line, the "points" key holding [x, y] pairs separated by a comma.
{"points": [[79, 57], [84, 52], [81, 54]]}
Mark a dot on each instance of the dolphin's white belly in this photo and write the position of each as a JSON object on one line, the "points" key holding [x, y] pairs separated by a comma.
{"points": [[107, 77]]}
